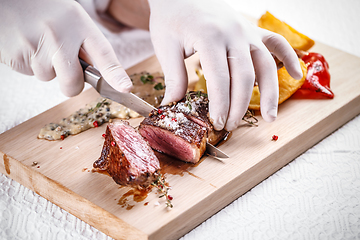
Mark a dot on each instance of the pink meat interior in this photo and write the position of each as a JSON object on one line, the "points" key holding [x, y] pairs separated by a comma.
{"points": [[137, 151], [163, 141]]}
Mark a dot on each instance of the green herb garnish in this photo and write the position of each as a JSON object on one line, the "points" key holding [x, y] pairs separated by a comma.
{"points": [[159, 86], [250, 118], [146, 78], [188, 100], [98, 105], [159, 183]]}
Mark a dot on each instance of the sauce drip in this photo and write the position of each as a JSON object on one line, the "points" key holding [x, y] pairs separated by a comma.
{"points": [[100, 171], [169, 165], [138, 195]]}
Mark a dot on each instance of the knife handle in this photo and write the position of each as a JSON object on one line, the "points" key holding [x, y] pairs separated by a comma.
{"points": [[91, 74]]}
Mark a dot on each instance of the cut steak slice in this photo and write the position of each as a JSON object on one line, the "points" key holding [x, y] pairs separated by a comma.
{"points": [[196, 107], [172, 133], [181, 129], [127, 157]]}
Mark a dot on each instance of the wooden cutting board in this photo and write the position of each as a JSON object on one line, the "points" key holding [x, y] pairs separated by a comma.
{"points": [[63, 174]]}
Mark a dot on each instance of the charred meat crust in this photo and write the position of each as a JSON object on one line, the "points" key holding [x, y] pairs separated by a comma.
{"points": [[127, 157], [199, 113]]}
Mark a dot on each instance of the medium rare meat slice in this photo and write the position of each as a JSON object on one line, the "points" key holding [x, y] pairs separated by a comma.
{"points": [[127, 157], [181, 129], [196, 107], [171, 132]]}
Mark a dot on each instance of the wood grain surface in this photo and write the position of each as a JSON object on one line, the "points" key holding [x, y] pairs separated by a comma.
{"points": [[63, 174]]}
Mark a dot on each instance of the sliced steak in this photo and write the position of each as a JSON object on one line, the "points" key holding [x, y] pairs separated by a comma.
{"points": [[171, 132], [196, 107], [127, 157], [181, 129]]}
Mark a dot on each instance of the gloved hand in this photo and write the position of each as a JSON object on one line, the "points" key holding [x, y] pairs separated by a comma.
{"points": [[231, 51], [44, 38]]}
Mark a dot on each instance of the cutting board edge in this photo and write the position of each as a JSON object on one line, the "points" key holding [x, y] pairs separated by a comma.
{"points": [[30, 178]]}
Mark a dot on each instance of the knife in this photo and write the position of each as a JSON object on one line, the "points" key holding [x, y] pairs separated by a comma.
{"points": [[130, 100]]}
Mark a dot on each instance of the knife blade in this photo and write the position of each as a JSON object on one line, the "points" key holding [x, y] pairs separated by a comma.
{"points": [[214, 151], [130, 100]]}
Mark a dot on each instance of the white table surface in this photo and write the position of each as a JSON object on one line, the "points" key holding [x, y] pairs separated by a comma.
{"points": [[316, 196]]}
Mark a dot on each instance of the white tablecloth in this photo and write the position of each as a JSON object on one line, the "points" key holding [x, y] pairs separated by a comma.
{"points": [[316, 196]]}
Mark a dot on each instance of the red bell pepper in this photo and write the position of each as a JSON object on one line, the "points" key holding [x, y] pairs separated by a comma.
{"points": [[317, 83]]}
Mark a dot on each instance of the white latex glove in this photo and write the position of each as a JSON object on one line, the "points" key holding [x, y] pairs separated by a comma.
{"points": [[44, 38], [231, 50]]}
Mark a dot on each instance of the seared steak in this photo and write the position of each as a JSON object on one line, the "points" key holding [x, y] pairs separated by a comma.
{"points": [[172, 133], [196, 107], [181, 129], [127, 157]]}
